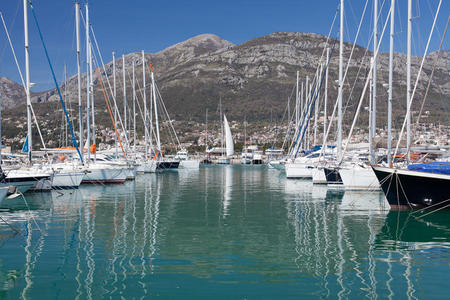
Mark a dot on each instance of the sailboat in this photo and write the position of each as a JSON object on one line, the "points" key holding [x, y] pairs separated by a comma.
{"points": [[96, 171], [419, 185], [229, 145], [25, 178]]}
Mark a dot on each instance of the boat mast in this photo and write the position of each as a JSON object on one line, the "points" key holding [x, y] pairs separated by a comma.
{"points": [[391, 65], [373, 127], [297, 102], [88, 91], [408, 81], [307, 91], [316, 109], [80, 107], [27, 76], [114, 95], [221, 126], [206, 131], [145, 106], [158, 141], [325, 96], [134, 111], [124, 99], [65, 97], [91, 77], [341, 52]]}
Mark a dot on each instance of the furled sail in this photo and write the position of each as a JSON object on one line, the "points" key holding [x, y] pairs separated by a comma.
{"points": [[228, 137]]}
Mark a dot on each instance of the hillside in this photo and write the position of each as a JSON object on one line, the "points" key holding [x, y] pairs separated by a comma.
{"points": [[255, 79]]}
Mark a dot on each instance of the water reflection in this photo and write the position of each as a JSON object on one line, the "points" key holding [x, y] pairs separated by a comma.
{"points": [[237, 231]]}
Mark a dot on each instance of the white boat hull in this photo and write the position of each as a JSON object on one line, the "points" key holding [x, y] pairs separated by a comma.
{"points": [[223, 161], [25, 180], [299, 171], [358, 178], [105, 175], [43, 185], [67, 180], [131, 174], [318, 176], [276, 164], [189, 164], [146, 167]]}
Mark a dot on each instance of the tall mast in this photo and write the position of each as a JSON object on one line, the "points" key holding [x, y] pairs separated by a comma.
{"points": [[316, 109], [206, 130], [302, 90], [304, 114], [221, 125], [27, 76], [408, 80], [134, 110], [158, 141], [115, 99], [80, 106], [325, 98], [124, 98], [373, 128], [91, 77], [391, 65], [297, 103], [341, 53], [65, 97], [145, 106], [88, 87]]}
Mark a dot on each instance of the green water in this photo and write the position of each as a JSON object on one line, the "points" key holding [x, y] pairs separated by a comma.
{"points": [[227, 232]]}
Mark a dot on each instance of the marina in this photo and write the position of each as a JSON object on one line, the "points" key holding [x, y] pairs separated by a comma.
{"points": [[236, 231], [289, 165]]}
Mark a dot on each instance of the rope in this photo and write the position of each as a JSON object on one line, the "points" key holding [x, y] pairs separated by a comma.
{"points": [[408, 111], [21, 77], [432, 73], [433, 211], [109, 109], [56, 82]]}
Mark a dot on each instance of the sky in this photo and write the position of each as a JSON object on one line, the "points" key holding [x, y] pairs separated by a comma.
{"points": [[135, 25]]}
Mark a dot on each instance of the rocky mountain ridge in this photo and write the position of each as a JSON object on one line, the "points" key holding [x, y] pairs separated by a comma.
{"points": [[254, 79]]}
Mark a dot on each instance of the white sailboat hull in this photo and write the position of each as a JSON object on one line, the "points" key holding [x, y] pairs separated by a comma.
{"points": [[299, 170], [224, 161], [25, 180], [67, 180], [146, 167], [105, 175], [131, 173], [189, 164], [357, 178], [318, 176]]}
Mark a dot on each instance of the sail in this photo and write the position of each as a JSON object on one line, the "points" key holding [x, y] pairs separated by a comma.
{"points": [[25, 146], [228, 137]]}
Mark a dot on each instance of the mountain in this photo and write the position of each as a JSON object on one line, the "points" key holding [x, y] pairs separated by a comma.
{"points": [[11, 93], [253, 80]]}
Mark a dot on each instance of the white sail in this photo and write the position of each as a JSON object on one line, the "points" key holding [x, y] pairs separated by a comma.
{"points": [[228, 137]]}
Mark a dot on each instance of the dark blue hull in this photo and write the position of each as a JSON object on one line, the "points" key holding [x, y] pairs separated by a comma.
{"points": [[405, 189]]}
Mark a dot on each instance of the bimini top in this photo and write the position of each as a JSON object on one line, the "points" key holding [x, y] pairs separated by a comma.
{"points": [[433, 167]]}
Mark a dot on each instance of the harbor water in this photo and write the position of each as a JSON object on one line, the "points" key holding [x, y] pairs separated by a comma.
{"points": [[222, 232]]}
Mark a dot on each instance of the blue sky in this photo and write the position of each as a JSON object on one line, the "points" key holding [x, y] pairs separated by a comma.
{"points": [[127, 26]]}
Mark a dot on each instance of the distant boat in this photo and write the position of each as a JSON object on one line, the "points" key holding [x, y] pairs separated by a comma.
{"points": [[229, 144], [186, 163]]}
